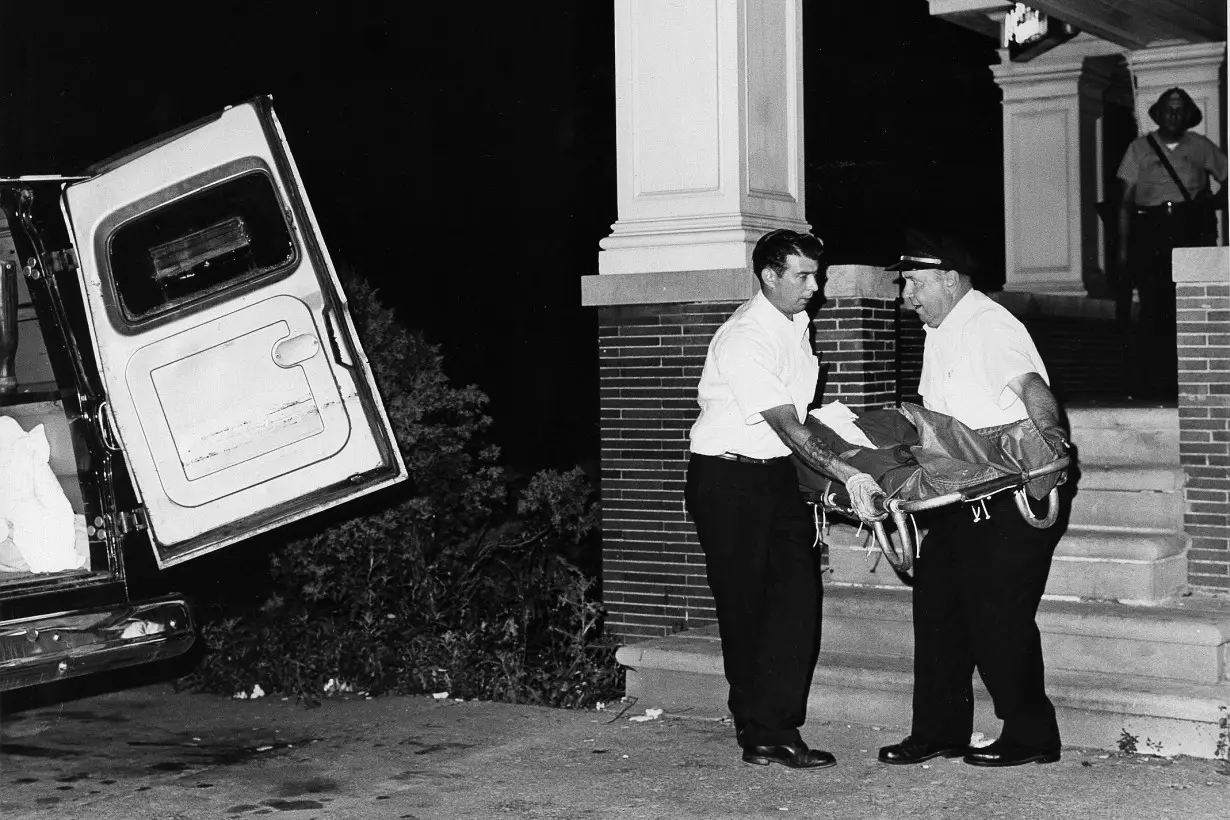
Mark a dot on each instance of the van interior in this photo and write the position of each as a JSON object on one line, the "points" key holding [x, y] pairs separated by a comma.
{"points": [[35, 540]]}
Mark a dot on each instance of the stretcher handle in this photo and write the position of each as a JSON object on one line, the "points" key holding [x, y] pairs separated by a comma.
{"points": [[1052, 508], [901, 559]]}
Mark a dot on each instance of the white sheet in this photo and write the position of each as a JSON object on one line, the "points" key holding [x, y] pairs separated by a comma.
{"points": [[35, 515], [840, 419]]}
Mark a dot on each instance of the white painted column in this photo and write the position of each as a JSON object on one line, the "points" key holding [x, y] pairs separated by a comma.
{"points": [[1052, 109], [709, 136]]}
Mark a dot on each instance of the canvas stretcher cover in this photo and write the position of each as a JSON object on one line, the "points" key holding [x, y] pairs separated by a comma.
{"points": [[920, 454]]}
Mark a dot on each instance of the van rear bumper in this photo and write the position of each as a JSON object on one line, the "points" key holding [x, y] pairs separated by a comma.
{"points": [[62, 645]]}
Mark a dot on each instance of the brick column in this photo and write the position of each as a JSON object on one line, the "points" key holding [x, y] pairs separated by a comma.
{"points": [[653, 570], [856, 336], [1203, 301]]}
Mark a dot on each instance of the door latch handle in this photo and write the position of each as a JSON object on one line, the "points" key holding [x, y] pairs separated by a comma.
{"points": [[341, 352], [106, 428]]}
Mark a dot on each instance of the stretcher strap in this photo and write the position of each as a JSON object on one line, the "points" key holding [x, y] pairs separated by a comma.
{"points": [[982, 514]]}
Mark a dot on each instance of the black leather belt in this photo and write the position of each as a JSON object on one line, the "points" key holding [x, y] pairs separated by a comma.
{"points": [[1164, 208], [742, 459]]}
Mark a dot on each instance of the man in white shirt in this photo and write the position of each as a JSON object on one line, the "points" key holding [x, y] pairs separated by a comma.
{"points": [[977, 581], [743, 495]]}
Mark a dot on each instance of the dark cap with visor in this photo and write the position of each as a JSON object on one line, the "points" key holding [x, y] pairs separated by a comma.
{"points": [[931, 251], [909, 262]]}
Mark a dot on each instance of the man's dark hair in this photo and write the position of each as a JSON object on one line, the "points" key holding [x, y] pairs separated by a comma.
{"points": [[774, 248]]}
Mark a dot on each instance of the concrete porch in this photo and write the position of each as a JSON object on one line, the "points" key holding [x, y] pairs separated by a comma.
{"points": [[1114, 671]]}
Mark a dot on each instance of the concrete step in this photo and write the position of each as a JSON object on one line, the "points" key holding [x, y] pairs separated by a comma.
{"points": [[684, 676], [864, 674], [1149, 498], [1171, 642], [1144, 436], [1125, 565], [1131, 565]]}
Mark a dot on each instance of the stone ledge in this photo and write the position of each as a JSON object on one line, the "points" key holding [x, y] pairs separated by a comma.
{"points": [[1202, 265], [731, 285]]}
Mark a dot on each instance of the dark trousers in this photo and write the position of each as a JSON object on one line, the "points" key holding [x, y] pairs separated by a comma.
{"points": [[757, 535], [977, 586], [1155, 233]]}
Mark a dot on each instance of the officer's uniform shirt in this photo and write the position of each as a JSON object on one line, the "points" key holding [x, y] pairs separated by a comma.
{"points": [[971, 357], [1194, 158], [757, 360]]}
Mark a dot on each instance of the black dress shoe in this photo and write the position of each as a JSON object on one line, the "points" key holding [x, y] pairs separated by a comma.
{"points": [[1001, 753], [790, 755], [915, 750]]}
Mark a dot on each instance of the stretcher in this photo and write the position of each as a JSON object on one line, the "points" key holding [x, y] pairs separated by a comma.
{"points": [[926, 460]]}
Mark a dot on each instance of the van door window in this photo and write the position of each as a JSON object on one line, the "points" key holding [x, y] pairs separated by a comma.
{"points": [[199, 245]]}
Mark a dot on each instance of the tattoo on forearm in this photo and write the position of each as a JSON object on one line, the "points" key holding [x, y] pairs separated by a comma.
{"points": [[817, 456]]}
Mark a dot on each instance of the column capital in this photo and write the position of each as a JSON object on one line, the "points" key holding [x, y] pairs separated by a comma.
{"points": [[1199, 58], [1086, 66]]}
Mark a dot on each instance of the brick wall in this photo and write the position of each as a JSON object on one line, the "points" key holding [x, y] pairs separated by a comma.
{"points": [[653, 571], [1204, 425]]}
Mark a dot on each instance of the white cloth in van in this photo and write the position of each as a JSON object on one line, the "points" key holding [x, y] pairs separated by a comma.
{"points": [[34, 512]]}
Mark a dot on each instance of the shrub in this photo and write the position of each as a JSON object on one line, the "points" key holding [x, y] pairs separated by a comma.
{"points": [[457, 583]]}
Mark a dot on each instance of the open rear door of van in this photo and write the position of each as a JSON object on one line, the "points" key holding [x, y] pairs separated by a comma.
{"points": [[236, 384]]}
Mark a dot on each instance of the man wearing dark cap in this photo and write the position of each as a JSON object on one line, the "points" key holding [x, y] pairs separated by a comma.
{"points": [[743, 495], [1166, 204], [977, 579]]}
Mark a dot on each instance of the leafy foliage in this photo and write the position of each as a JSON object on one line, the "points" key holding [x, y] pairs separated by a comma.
{"points": [[456, 583]]}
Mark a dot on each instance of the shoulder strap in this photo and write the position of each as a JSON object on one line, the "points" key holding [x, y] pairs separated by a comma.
{"points": [[1157, 149]]}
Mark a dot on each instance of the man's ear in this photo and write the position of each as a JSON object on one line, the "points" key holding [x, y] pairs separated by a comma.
{"points": [[951, 277], [768, 279]]}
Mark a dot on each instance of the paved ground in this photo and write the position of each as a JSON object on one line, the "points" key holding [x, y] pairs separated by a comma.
{"points": [[148, 752]]}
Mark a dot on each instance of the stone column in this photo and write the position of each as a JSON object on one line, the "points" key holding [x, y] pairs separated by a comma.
{"points": [[1052, 108], [709, 134], [709, 139]]}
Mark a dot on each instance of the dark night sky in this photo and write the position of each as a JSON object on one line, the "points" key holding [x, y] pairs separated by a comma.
{"points": [[462, 156]]}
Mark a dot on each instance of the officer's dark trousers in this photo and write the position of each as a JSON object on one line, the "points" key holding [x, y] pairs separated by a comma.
{"points": [[757, 534], [977, 586], [1155, 233]]}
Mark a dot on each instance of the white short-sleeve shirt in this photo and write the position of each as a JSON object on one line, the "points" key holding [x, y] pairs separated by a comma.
{"points": [[971, 357], [758, 359]]}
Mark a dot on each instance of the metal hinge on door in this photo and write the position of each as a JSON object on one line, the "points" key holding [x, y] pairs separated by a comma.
{"points": [[131, 521], [120, 523], [62, 261]]}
